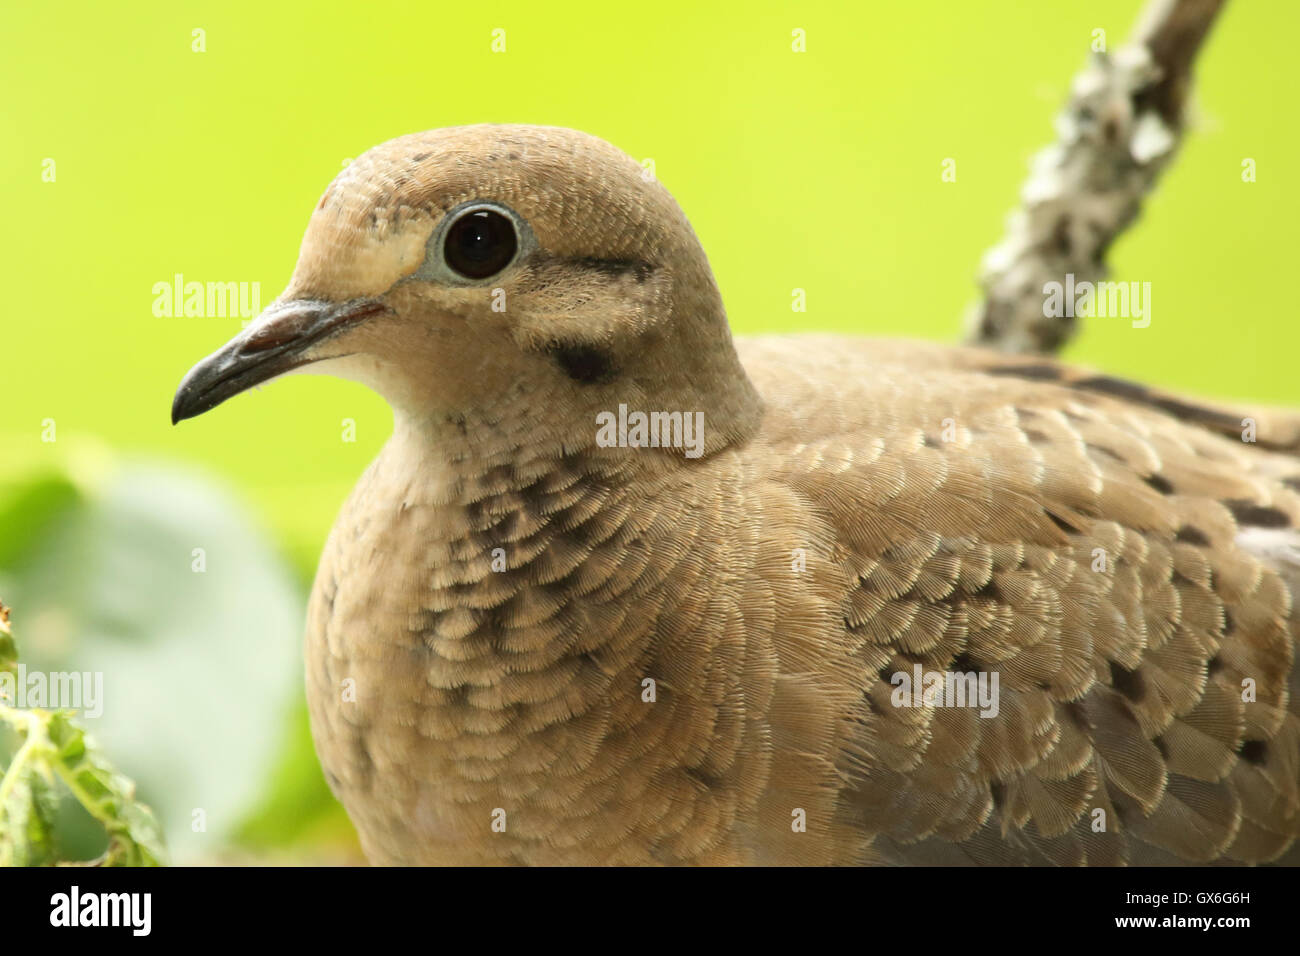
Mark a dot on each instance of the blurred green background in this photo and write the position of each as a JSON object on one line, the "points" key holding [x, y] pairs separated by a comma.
{"points": [[818, 170]]}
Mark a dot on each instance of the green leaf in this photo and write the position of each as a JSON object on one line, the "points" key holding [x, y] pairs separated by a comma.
{"points": [[28, 509], [27, 822], [8, 651], [56, 750], [159, 583], [135, 839]]}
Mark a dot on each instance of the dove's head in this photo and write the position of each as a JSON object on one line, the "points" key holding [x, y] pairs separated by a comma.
{"points": [[487, 272]]}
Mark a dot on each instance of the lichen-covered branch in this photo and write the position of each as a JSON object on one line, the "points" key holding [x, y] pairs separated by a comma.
{"points": [[1120, 128]]}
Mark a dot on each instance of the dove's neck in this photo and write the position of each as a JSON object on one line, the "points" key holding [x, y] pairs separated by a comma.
{"points": [[653, 418]]}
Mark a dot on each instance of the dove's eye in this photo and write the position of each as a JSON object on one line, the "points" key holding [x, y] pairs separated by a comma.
{"points": [[475, 242], [480, 243]]}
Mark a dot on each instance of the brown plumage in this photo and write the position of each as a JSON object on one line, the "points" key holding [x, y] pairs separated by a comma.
{"points": [[524, 646]]}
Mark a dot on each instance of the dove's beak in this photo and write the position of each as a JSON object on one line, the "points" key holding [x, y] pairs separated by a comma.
{"points": [[278, 341]]}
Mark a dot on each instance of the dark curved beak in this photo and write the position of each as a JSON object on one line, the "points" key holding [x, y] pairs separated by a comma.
{"points": [[276, 342]]}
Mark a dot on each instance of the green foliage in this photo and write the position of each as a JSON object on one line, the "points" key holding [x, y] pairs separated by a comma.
{"points": [[8, 649], [298, 806], [27, 510], [55, 751], [160, 582], [100, 554]]}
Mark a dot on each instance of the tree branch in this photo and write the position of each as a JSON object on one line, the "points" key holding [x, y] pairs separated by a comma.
{"points": [[1120, 128]]}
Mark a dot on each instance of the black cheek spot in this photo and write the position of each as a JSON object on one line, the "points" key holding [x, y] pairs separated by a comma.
{"points": [[585, 364]]}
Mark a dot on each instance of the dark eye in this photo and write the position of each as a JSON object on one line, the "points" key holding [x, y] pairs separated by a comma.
{"points": [[480, 244]]}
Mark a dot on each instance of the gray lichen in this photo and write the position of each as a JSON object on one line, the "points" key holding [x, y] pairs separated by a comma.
{"points": [[1120, 128], [1082, 191]]}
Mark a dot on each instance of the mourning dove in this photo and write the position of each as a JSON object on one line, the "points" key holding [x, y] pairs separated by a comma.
{"points": [[843, 601]]}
